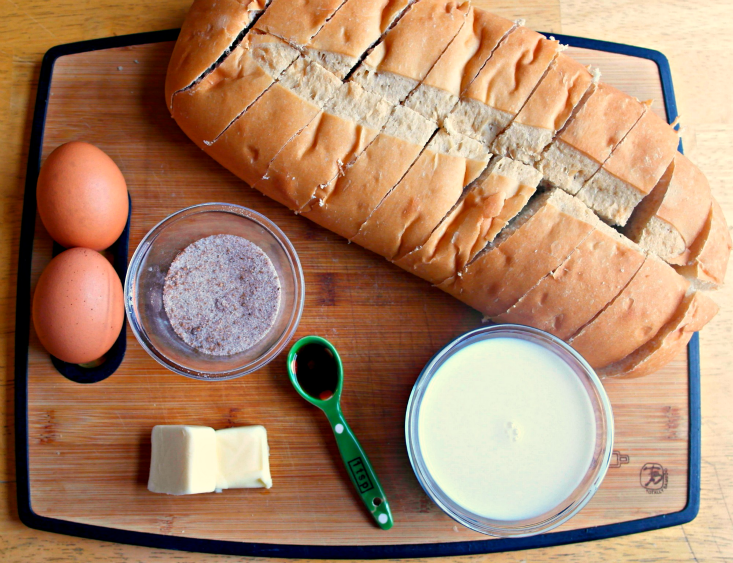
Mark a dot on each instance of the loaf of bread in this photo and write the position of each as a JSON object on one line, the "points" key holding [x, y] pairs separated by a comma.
{"points": [[468, 150]]}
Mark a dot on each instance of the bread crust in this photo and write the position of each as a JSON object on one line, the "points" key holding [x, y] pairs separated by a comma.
{"points": [[696, 310], [589, 137], [710, 252], [329, 143], [569, 297], [415, 206], [206, 109], [352, 30], [490, 203], [297, 21], [459, 64], [633, 169], [207, 34], [546, 110], [498, 277], [634, 317]]}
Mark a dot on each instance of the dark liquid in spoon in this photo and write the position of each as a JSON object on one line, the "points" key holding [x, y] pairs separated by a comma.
{"points": [[317, 371]]}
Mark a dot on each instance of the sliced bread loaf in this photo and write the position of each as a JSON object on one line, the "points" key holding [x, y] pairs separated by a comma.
{"points": [[632, 170], [669, 220], [589, 137], [503, 85], [209, 33], [436, 96], [408, 51], [634, 317], [345, 203], [536, 242], [416, 205], [489, 203], [250, 143], [696, 310], [352, 30], [331, 141], [565, 300], [546, 111]]}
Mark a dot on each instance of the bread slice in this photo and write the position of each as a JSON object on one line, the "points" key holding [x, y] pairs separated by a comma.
{"points": [[405, 55], [710, 253], [634, 317], [546, 111], [333, 140], [587, 140], [205, 110], [489, 203], [669, 220], [536, 242], [565, 300], [353, 29], [345, 203], [459, 64], [416, 205], [248, 146], [209, 33], [503, 85], [297, 21], [632, 170], [696, 310]]}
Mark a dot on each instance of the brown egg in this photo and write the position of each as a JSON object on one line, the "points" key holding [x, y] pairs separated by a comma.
{"points": [[82, 197], [78, 306]]}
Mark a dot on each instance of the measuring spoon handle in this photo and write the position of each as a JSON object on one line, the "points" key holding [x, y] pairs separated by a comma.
{"points": [[360, 471]]}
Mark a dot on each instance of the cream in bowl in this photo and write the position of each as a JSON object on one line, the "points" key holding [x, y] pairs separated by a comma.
{"points": [[509, 431]]}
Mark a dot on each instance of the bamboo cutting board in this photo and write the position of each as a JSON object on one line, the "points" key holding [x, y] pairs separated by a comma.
{"points": [[89, 445]]}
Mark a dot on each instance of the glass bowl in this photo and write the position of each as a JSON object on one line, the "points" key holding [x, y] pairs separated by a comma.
{"points": [[590, 481], [149, 266]]}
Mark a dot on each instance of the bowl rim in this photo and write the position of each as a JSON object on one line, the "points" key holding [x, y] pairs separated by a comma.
{"points": [[146, 244], [583, 493]]}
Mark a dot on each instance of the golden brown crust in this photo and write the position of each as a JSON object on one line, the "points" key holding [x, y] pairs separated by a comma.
{"points": [[498, 278], [297, 21], [695, 312], [711, 251], [463, 58], [633, 318], [557, 94], [427, 28], [415, 206], [208, 31], [491, 201], [251, 142], [602, 122], [508, 78], [580, 287], [357, 25], [205, 110]]}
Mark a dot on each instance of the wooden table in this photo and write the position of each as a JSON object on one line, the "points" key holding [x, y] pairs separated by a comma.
{"points": [[696, 39]]}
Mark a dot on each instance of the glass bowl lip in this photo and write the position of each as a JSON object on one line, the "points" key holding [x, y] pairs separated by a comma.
{"points": [[487, 526], [215, 207]]}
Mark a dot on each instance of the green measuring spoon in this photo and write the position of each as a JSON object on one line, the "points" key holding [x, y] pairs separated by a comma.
{"points": [[317, 374]]}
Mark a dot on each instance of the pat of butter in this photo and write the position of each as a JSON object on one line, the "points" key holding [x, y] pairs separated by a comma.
{"points": [[183, 460], [244, 458]]}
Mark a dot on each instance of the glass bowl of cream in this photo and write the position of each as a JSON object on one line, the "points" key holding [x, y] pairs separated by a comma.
{"points": [[509, 431]]}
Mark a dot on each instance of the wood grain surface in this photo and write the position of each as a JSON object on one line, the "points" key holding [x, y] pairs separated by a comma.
{"points": [[28, 29]]}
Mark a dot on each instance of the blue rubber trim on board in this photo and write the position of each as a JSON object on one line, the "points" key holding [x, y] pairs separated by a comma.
{"points": [[33, 520]]}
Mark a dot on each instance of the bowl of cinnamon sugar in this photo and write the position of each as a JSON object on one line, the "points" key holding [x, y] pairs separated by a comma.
{"points": [[214, 291]]}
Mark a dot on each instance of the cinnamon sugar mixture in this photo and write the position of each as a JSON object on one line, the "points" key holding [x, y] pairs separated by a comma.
{"points": [[221, 294]]}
